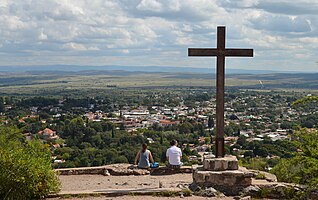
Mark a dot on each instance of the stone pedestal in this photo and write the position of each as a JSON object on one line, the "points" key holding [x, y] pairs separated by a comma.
{"points": [[220, 164], [222, 178], [222, 174]]}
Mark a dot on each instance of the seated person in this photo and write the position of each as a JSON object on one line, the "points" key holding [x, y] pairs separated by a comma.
{"points": [[174, 155], [144, 156]]}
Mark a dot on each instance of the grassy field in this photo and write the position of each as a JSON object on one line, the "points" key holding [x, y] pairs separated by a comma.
{"points": [[60, 83]]}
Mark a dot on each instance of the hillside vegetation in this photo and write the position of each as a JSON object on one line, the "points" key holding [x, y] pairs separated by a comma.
{"points": [[26, 170]]}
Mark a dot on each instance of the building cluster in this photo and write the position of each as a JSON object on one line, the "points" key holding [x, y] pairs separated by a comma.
{"points": [[256, 116], [142, 117]]}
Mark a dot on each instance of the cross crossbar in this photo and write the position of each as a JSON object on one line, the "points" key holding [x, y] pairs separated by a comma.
{"points": [[215, 52]]}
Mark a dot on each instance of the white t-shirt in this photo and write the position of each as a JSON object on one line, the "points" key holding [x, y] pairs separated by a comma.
{"points": [[174, 153]]}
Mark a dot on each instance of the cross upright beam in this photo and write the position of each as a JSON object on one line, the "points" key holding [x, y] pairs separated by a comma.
{"points": [[220, 52]]}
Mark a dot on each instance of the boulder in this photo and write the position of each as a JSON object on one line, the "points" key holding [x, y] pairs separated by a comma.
{"points": [[208, 192], [251, 190], [277, 190], [194, 187]]}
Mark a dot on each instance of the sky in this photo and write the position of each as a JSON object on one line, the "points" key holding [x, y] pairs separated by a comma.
{"points": [[283, 33]]}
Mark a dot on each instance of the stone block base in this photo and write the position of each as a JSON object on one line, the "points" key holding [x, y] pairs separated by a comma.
{"points": [[220, 164], [222, 178]]}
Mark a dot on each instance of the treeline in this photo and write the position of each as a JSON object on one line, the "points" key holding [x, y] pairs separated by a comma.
{"points": [[266, 147], [95, 144]]}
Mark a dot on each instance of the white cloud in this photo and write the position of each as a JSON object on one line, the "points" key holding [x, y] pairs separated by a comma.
{"points": [[151, 5], [281, 23], [125, 51], [42, 36], [75, 46], [79, 47], [83, 32]]}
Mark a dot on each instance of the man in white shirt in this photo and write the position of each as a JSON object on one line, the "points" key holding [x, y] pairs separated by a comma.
{"points": [[174, 155]]}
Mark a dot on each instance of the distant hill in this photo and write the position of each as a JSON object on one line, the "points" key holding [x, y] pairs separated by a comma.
{"points": [[74, 68]]}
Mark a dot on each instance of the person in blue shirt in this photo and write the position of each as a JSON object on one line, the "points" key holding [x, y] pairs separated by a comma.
{"points": [[144, 157]]}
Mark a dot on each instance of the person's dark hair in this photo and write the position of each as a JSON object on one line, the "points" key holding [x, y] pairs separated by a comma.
{"points": [[144, 147], [173, 142]]}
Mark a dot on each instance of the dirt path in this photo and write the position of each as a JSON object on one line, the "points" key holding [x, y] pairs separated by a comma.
{"points": [[88, 184], [100, 182], [146, 198]]}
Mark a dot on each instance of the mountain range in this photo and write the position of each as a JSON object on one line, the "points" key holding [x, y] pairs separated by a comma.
{"points": [[77, 68]]}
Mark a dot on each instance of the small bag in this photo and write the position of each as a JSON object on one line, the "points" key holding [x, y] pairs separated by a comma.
{"points": [[154, 165]]}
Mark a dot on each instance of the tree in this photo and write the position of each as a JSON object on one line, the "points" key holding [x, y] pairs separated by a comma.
{"points": [[286, 125], [308, 123], [185, 127], [233, 117], [122, 126], [113, 132], [1, 105], [303, 167], [242, 141], [260, 151], [26, 171], [121, 159], [232, 129], [249, 154], [161, 138], [201, 129], [210, 122]]}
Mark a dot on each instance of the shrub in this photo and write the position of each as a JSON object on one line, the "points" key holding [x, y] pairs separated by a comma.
{"points": [[260, 176], [121, 159], [25, 167], [303, 167]]}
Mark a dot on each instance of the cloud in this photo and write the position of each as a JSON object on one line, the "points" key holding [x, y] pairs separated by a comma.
{"points": [[281, 23], [156, 32], [79, 47], [175, 10], [150, 5], [299, 7], [42, 36], [286, 7]]}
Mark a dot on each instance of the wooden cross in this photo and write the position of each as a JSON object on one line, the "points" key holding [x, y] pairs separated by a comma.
{"points": [[220, 52]]}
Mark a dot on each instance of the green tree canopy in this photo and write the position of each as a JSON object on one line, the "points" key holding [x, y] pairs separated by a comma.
{"points": [[303, 167], [26, 171]]}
